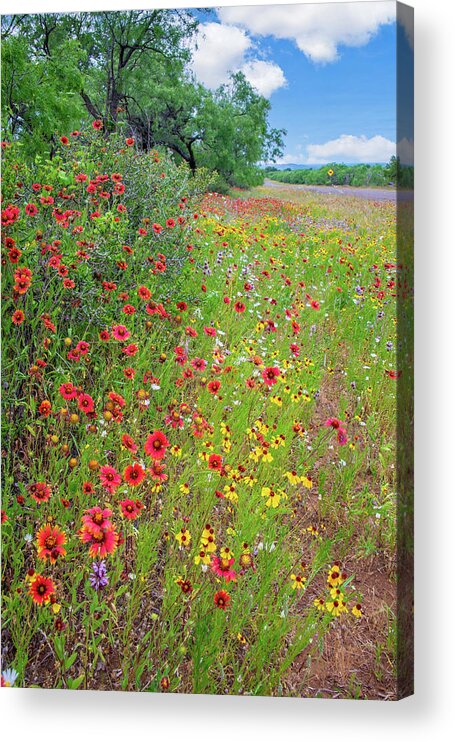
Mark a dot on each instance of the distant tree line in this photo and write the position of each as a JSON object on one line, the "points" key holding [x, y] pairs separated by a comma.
{"points": [[130, 70], [394, 173]]}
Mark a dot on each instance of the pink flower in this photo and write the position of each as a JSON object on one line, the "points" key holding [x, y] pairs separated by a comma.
{"points": [[110, 478], [270, 375], [96, 519], [119, 332], [336, 424], [333, 422], [155, 445], [222, 568], [198, 364]]}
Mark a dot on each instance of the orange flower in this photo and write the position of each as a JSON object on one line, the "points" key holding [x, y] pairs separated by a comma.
{"points": [[102, 541], [18, 317], [41, 589], [50, 541]]}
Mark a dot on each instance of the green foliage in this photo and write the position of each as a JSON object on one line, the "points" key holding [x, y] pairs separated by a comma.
{"points": [[129, 69], [347, 175], [40, 94]]}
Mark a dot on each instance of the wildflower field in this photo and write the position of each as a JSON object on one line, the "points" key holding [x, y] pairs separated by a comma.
{"points": [[199, 444]]}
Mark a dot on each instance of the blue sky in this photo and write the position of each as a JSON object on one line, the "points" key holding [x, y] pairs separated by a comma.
{"points": [[329, 71]]}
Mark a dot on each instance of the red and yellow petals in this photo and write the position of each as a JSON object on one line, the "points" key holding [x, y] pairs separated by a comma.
{"points": [[50, 541], [41, 589]]}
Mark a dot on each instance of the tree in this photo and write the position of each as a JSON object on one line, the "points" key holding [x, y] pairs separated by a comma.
{"points": [[40, 93], [226, 130], [131, 69]]}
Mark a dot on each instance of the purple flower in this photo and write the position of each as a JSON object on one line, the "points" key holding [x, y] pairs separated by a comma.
{"points": [[98, 576]]}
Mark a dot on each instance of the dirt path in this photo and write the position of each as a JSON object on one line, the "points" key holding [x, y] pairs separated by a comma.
{"points": [[370, 194]]}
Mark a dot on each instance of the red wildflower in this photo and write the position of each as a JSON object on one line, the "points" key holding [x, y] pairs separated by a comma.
{"points": [[85, 403], [270, 375], [134, 474], [45, 408], [102, 542], [131, 349], [96, 519], [213, 386], [120, 332], [215, 462], [18, 317], [221, 566], [144, 293], [110, 478], [155, 445], [198, 364], [40, 491], [68, 391], [50, 541], [129, 443], [41, 589], [31, 209], [131, 509], [222, 599]]}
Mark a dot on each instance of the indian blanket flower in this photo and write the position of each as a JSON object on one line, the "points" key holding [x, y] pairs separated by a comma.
{"points": [[68, 391], [222, 567], [215, 462], [40, 491], [18, 317], [134, 474], [214, 386], [131, 509], [110, 478], [222, 599], [97, 519], [119, 332], [98, 576], [104, 541], [270, 375], [50, 541], [156, 444], [85, 403], [41, 589], [198, 364], [336, 424], [129, 443]]}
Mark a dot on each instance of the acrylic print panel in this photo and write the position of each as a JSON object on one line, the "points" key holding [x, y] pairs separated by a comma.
{"points": [[207, 350]]}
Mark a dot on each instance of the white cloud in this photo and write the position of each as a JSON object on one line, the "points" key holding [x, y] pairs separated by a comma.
{"points": [[265, 77], [349, 148], [317, 30], [290, 159], [221, 50]]}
